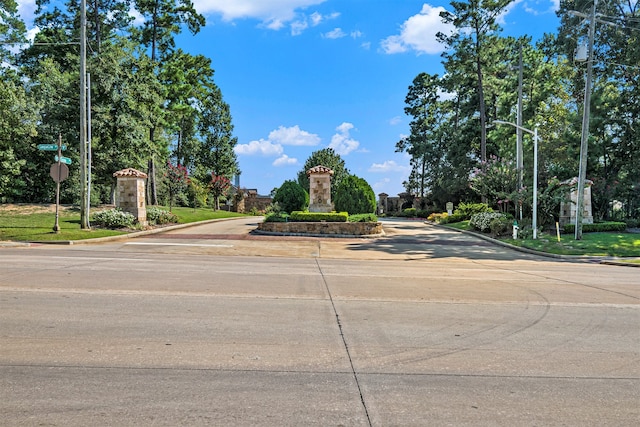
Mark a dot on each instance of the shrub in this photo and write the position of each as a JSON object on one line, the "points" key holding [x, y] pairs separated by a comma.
{"points": [[437, 216], [500, 226], [632, 223], [450, 219], [114, 218], [291, 197], [597, 227], [410, 212], [363, 218], [482, 221], [159, 216], [319, 216], [469, 209], [355, 195], [276, 217]]}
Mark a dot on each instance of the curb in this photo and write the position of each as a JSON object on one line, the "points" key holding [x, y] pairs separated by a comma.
{"points": [[118, 237], [578, 258]]}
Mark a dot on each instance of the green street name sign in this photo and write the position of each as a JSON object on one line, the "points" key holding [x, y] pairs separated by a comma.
{"points": [[51, 147], [65, 160]]}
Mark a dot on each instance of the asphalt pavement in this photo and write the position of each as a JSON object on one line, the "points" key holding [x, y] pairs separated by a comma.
{"points": [[213, 325]]}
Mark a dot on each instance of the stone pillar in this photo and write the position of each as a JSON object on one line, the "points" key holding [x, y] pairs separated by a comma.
{"points": [[383, 206], [320, 189], [130, 193], [568, 205]]}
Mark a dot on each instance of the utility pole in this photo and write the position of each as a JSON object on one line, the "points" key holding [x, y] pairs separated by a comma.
{"points": [[584, 141], [519, 151], [84, 203]]}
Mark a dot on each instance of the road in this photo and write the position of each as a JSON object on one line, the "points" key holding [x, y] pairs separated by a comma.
{"points": [[211, 325]]}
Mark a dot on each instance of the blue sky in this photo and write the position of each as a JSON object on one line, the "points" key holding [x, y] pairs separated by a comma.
{"points": [[302, 75]]}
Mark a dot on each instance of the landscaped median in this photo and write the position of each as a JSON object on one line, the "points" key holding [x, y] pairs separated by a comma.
{"points": [[333, 224]]}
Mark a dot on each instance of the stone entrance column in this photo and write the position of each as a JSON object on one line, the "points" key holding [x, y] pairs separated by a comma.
{"points": [[320, 189], [568, 212], [130, 193]]}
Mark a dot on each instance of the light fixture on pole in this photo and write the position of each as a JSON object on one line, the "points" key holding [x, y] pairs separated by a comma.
{"points": [[534, 132]]}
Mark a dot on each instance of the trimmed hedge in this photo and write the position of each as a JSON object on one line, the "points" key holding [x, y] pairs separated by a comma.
{"points": [[319, 216], [598, 227], [363, 218]]}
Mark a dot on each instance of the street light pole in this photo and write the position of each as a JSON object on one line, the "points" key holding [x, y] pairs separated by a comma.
{"points": [[534, 132]]}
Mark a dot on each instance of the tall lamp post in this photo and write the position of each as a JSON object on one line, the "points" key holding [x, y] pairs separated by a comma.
{"points": [[534, 132]]}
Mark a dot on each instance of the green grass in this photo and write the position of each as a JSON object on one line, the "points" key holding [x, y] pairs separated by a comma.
{"points": [[25, 225], [592, 244]]}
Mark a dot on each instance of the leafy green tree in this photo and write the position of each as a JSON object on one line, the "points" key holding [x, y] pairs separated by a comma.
{"points": [[355, 195], [475, 36], [215, 152], [329, 158], [163, 20], [291, 197]]}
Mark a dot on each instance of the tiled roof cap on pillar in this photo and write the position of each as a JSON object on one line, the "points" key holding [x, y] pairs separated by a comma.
{"points": [[319, 170], [129, 173]]}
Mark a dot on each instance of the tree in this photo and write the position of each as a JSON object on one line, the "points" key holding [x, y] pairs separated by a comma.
{"points": [[164, 19], [325, 157], [424, 143], [219, 186], [475, 22], [215, 152], [177, 179], [291, 197], [355, 195]]}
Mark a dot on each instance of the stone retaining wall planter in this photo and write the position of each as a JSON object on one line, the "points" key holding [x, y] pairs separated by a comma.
{"points": [[328, 229]]}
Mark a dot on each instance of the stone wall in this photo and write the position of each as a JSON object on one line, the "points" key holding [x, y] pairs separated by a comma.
{"points": [[322, 228]]}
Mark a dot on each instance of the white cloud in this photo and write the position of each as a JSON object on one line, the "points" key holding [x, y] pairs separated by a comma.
{"points": [[388, 166], [366, 45], [26, 9], [303, 22], [395, 120], [356, 34], [285, 160], [418, 33], [293, 136], [336, 33], [342, 142], [261, 147], [273, 145], [273, 14]]}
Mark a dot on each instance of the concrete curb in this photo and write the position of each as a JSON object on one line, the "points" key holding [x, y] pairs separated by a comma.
{"points": [[577, 258], [121, 236]]}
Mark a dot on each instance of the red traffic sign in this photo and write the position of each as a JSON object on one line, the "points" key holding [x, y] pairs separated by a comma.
{"points": [[59, 172]]}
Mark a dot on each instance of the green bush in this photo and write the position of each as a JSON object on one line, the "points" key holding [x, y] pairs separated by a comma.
{"points": [[482, 221], [291, 197], [363, 218], [114, 218], [319, 216], [598, 227], [501, 225], [276, 217], [450, 219], [160, 216], [632, 223], [355, 195], [410, 212], [469, 209]]}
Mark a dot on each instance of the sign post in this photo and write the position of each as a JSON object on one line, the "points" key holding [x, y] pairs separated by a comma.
{"points": [[58, 171]]}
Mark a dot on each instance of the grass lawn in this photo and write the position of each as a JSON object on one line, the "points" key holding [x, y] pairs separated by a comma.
{"points": [[34, 223], [593, 244]]}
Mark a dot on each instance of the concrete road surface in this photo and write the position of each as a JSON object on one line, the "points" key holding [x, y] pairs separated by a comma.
{"points": [[214, 326]]}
